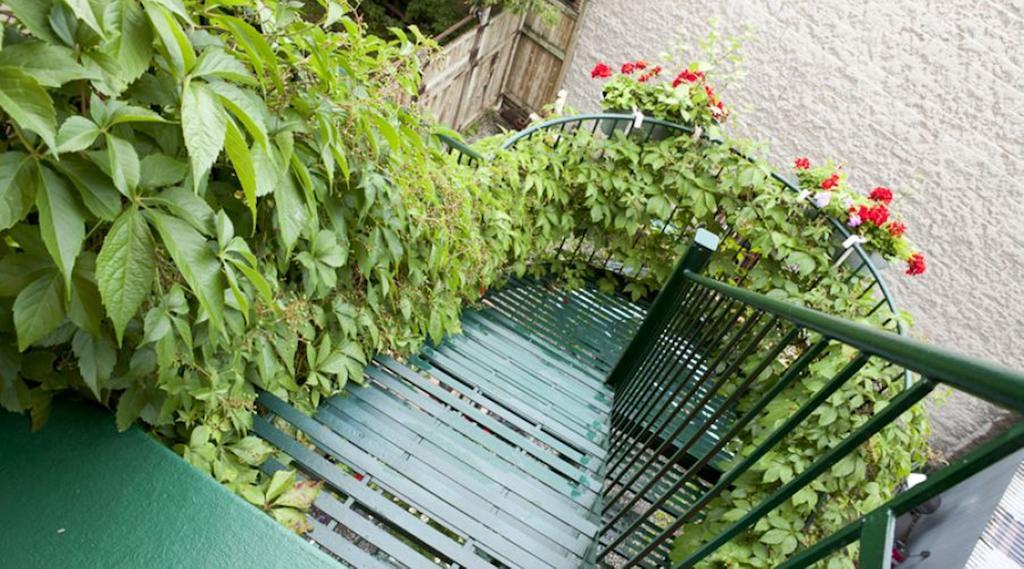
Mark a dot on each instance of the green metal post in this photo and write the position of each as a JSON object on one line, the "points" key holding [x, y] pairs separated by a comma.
{"points": [[876, 540], [694, 261]]}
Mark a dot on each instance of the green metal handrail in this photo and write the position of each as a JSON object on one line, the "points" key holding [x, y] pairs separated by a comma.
{"points": [[681, 376], [978, 377]]}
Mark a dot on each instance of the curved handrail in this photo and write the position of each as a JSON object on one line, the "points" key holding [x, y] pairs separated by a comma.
{"points": [[985, 380], [598, 118]]}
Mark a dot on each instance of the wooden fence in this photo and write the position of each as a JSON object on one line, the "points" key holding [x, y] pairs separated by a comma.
{"points": [[512, 62]]}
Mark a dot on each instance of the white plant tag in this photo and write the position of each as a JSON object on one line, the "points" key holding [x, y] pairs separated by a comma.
{"points": [[854, 240], [638, 118]]}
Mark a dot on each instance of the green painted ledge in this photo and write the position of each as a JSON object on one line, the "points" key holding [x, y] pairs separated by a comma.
{"points": [[80, 494]]}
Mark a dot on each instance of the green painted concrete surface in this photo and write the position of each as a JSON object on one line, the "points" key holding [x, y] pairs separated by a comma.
{"points": [[80, 494]]}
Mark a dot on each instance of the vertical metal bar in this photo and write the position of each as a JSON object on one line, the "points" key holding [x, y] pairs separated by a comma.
{"points": [[671, 400], [768, 443], [794, 371], [680, 334], [876, 540], [696, 259], [877, 422], [684, 448], [676, 374], [692, 298]]}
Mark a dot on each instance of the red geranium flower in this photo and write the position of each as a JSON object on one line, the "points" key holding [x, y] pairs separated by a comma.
{"points": [[651, 74], [628, 67], [687, 76], [877, 214], [802, 163], [601, 71], [640, 64], [710, 92], [881, 194], [915, 264], [896, 228], [830, 182]]}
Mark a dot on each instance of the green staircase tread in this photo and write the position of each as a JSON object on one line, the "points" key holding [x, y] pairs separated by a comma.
{"points": [[483, 470], [488, 449], [492, 435]]}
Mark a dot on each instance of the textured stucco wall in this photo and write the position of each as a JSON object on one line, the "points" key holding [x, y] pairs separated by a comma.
{"points": [[926, 96]]}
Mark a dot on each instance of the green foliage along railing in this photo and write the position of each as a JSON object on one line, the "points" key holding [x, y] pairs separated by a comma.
{"points": [[711, 358], [666, 217]]}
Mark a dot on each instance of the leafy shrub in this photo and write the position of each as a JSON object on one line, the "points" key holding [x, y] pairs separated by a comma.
{"points": [[199, 199]]}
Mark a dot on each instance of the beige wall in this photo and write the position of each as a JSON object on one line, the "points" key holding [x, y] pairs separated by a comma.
{"points": [[926, 96]]}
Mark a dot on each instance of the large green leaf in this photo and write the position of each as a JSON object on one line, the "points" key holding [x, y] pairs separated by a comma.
{"points": [[130, 406], [125, 268], [85, 308], [176, 46], [132, 42], [185, 204], [204, 126], [159, 170], [124, 164], [248, 108], [215, 62], [197, 263], [290, 211], [76, 134], [35, 15], [96, 189], [241, 159], [49, 65], [261, 56], [28, 104], [61, 222], [39, 309], [18, 185], [85, 12], [96, 358]]}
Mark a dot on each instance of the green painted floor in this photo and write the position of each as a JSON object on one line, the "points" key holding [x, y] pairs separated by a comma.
{"points": [[80, 494], [486, 450]]}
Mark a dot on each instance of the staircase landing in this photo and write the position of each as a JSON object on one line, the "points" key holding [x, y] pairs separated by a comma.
{"points": [[483, 451]]}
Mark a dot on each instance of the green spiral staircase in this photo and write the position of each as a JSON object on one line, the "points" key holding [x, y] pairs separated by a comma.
{"points": [[577, 428]]}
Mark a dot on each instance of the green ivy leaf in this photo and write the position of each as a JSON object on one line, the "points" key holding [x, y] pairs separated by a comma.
{"points": [[280, 482], [61, 222], [77, 133], [177, 48], [84, 10], [197, 263], [38, 309], [130, 406], [240, 157], [204, 127], [35, 15], [291, 212], [28, 104], [159, 170], [215, 62], [131, 44], [124, 164], [18, 186], [125, 268], [95, 188], [96, 359], [50, 65]]}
